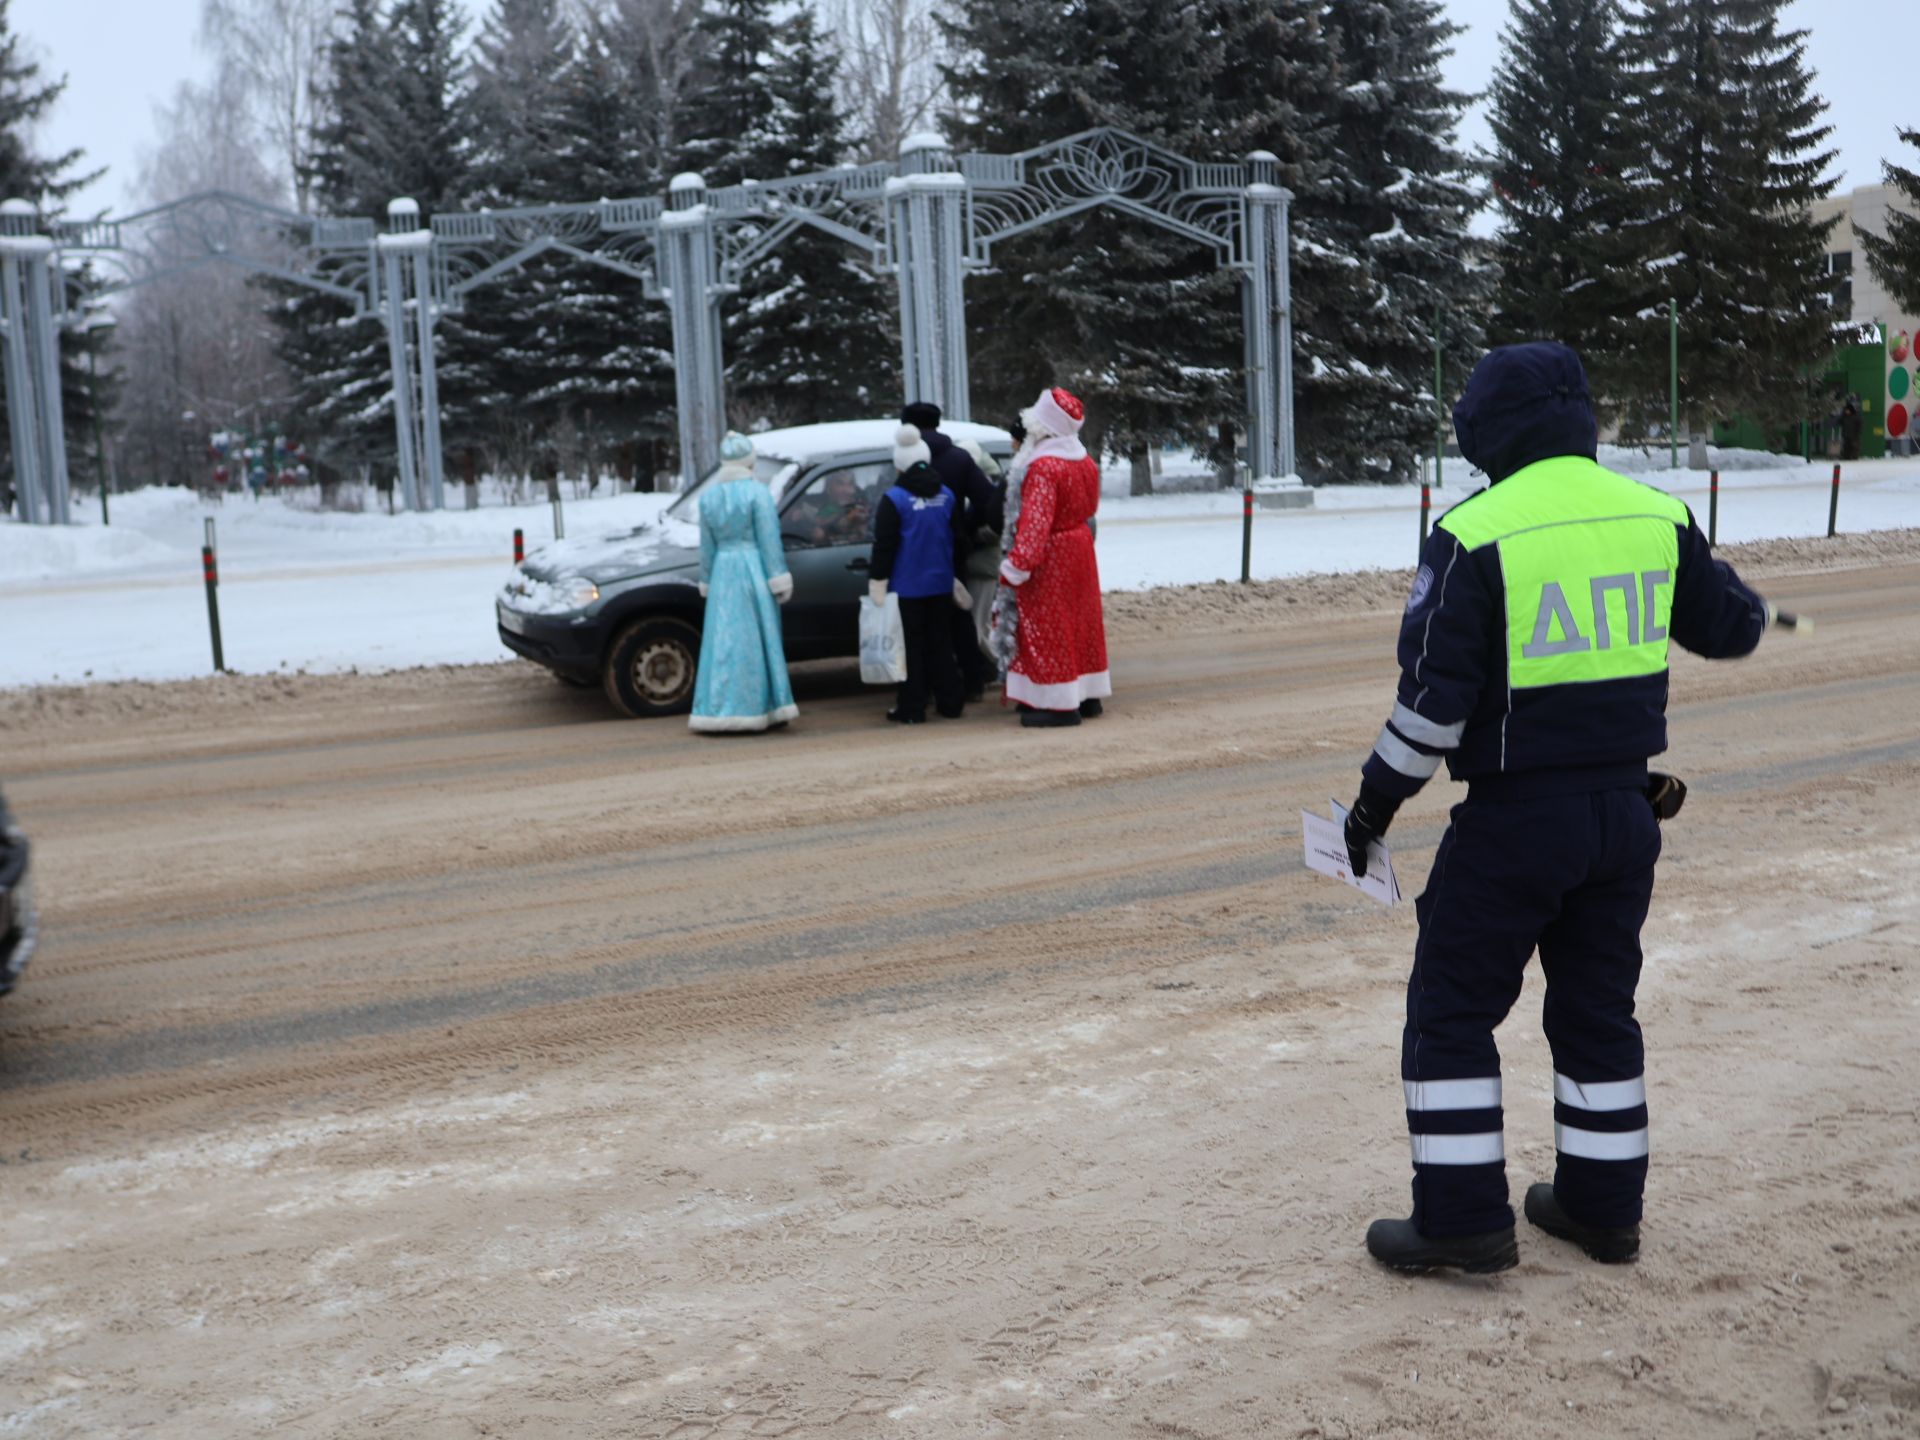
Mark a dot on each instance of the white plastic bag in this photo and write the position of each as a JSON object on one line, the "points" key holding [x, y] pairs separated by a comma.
{"points": [[883, 642]]}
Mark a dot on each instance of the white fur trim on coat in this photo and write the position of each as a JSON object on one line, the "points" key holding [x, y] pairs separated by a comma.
{"points": [[1057, 447], [735, 724], [1067, 695], [1013, 574], [782, 586]]}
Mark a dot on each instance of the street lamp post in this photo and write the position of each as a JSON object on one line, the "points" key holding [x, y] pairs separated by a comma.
{"points": [[100, 320], [1439, 404], [1673, 382]]}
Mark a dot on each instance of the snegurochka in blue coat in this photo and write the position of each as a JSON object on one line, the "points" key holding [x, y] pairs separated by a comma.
{"points": [[742, 681]]}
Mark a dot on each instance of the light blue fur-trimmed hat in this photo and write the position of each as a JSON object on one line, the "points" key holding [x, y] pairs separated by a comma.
{"points": [[736, 447]]}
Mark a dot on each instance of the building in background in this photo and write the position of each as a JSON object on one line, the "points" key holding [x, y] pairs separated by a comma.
{"points": [[1884, 380], [1876, 365]]}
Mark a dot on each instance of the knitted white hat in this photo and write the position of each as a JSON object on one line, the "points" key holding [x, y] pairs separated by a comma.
{"points": [[910, 449]]}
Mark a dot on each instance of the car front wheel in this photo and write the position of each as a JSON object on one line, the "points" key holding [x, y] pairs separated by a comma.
{"points": [[650, 667]]}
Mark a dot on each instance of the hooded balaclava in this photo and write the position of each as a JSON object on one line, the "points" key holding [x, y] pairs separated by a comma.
{"points": [[1525, 403]]}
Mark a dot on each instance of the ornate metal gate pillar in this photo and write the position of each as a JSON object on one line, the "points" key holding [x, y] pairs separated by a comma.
{"points": [[426, 313], [403, 235], [926, 214], [690, 268], [406, 256], [1267, 307], [32, 367]]}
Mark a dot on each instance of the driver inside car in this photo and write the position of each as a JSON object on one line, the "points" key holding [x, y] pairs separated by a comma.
{"points": [[835, 514]]}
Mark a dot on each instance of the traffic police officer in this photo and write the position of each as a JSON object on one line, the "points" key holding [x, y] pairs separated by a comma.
{"points": [[1533, 655]]}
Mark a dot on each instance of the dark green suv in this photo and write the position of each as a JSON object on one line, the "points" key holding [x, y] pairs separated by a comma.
{"points": [[623, 610]]}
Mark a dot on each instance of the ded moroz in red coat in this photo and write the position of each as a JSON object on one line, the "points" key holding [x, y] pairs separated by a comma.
{"points": [[1062, 638]]}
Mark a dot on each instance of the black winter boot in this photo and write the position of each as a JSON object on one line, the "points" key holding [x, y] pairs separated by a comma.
{"points": [[906, 717], [1398, 1246], [1610, 1245], [1045, 719], [1091, 709]]}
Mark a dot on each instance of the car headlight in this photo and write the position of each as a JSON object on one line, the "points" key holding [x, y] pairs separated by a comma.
{"points": [[577, 593]]}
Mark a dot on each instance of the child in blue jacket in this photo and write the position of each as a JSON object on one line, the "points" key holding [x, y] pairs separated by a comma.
{"points": [[915, 554]]}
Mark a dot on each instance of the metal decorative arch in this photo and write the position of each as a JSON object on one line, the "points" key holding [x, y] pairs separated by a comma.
{"points": [[214, 228], [929, 220]]}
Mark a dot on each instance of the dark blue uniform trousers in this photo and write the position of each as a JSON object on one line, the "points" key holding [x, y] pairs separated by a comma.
{"points": [[1571, 875]]}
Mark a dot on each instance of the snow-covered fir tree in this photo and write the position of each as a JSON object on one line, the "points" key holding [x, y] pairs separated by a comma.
{"points": [[1560, 172], [812, 335], [516, 104], [1895, 257], [393, 128], [722, 115], [1125, 314], [1722, 112], [1281, 91], [612, 372], [26, 98], [1399, 199], [516, 75], [1350, 99]]}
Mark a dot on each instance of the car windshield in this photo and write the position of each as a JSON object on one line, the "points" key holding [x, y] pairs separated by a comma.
{"points": [[769, 470]]}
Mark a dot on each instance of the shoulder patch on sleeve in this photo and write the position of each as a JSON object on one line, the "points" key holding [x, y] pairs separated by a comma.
{"points": [[1422, 587]]}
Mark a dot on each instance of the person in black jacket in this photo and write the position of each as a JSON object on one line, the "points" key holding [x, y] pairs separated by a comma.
{"points": [[1850, 429], [983, 507], [1533, 659]]}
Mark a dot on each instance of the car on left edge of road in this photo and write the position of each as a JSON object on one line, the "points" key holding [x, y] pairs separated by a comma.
{"points": [[19, 924]]}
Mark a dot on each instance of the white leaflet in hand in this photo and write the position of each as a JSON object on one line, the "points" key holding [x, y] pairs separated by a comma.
{"points": [[1326, 854]]}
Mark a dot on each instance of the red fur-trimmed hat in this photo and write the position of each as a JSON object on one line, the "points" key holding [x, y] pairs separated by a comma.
{"points": [[1060, 411]]}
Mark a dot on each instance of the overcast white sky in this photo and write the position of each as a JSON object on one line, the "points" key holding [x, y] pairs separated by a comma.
{"points": [[121, 57]]}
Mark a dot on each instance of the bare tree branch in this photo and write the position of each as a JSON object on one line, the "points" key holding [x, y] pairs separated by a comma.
{"points": [[278, 50], [889, 81]]}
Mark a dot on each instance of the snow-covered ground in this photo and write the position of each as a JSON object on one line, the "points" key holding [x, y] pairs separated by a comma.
{"points": [[331, 591]]}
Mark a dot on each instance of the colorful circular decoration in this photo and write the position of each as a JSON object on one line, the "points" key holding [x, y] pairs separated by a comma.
{"points": [[1896, 420], [1897, 382], [1899, 350]]}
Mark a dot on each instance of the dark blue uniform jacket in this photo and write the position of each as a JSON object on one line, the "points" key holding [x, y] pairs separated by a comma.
{"points": [[1525, 404]]}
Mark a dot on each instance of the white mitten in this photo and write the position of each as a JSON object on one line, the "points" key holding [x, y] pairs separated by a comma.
{"points": [[782, 587], [703, 589], [877, 591], [962, 596]]}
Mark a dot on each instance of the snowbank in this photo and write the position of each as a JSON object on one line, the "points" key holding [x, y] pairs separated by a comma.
{"points": [[328, 591]]}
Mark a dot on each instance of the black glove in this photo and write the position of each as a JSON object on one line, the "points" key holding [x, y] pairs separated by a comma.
{"points": [[1666, 794], [1367, 821]]}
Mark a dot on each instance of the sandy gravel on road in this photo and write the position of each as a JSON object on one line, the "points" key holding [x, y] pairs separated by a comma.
{"points": [[429, 1055]]}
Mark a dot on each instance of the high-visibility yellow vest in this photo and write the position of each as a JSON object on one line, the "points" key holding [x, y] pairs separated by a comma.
{"points": [[1587, 559]]}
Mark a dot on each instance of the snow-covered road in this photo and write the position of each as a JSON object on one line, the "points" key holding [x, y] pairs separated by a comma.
{"points": [[329, 592]]}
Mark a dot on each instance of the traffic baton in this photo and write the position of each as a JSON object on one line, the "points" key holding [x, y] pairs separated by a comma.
{"points": [[1426, 504], [210, 572], [1787, 620]]}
